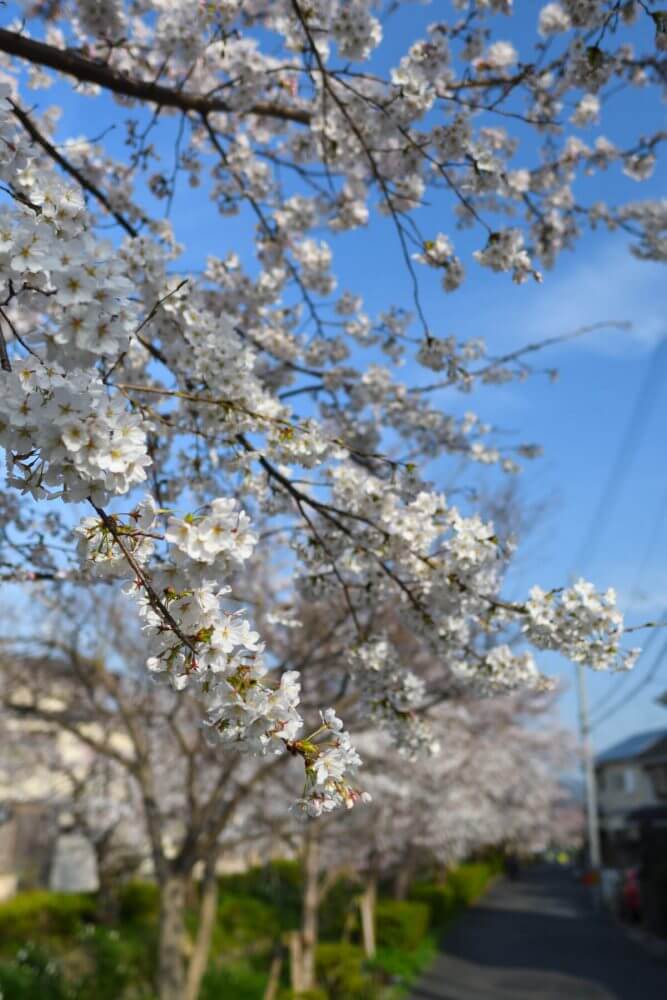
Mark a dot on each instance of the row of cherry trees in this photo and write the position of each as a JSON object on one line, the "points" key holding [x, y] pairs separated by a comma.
{"points": [[91, 741]]}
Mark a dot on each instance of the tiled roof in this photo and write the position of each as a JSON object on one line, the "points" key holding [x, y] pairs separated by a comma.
{"points": [[633, 746]]}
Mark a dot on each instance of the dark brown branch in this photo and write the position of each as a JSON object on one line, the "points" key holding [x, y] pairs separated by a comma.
{"points": [[5, 363], [70, 169], [143, 579], [89, 70]]}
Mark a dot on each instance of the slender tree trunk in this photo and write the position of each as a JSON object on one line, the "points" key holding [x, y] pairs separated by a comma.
{"points": [[273, 984], [311, 904], [402, 882], [208, 908], [348, 926], [367, 903], [294, 942], [405, 875], [171, 950], [107, 895]]}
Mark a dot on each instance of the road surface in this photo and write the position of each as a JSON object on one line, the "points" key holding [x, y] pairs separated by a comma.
{"points": [[539, 939]]}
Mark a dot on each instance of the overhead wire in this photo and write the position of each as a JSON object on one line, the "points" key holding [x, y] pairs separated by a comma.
{"points": [[649, 550], [609, 495], [642, 408], [638, 688]]}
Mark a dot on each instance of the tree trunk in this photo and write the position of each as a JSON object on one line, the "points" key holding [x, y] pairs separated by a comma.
{"points": [[367, 907], [405, 875], [208, 908], [349, 925], [171, 951], [402, 883], [294, 943], [311, 907], [273, 984], [106, 907]]}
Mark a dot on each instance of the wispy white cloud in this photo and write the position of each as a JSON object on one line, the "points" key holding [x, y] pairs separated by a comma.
{"points": [[611, 285], [597, 285]]}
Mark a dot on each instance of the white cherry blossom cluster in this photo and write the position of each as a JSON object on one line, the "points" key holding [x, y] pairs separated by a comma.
{"points": [[553, 19], [212, 540], [445, 353], [393, 697], [439, 253], [452, 569], [64, 436], [67, 281], [500, 671], [581, 623], [330, 760], [355, 29], [197, 642], [98, 548], [505, 252], [587, 110], [652, 220]]}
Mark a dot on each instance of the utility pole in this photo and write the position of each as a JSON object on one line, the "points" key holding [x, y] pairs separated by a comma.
{"points": [[589, 773]]}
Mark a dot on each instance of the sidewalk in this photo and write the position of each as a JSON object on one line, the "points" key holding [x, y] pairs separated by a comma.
{"points": [[539, 938]]}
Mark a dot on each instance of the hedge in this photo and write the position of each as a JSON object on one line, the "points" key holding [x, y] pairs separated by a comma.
{"points": [[340, 972], [41, 914], [245, 924], [138, 901], [462, 886], [402, 925], [442, 901]]}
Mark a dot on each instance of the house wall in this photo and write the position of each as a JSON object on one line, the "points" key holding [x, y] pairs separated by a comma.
{"points": [[622, 787]]}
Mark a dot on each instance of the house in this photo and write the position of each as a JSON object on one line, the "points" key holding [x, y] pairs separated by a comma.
{"points": [[631, 775]]}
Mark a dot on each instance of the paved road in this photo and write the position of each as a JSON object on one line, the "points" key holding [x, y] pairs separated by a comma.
{"points": [[538, 939]]}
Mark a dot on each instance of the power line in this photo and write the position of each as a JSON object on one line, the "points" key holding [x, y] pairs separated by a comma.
{"points": [[649, 550], [609, 495], [638, 688], [647, 555], [620, 681]]}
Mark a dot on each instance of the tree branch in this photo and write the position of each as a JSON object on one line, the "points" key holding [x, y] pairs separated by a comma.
{"points": [[88, 70], [69, 168]]}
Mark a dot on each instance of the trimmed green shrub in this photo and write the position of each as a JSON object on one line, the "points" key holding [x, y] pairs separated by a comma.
{"points": [[237, 980], [33, 974], [470, 880], [341, 974], [340, 900], [402, 968], [138, 901], [278, 884], [108, 964], [244, 923], [442, 901], [462, 886], [40, 915], [401, 924]]}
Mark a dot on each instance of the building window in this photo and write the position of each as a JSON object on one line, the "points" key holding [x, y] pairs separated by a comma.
{"points": [[658, 775], [617, 781]]}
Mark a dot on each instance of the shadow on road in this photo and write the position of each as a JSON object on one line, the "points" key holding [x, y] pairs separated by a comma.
{"points": [[539, 938]]}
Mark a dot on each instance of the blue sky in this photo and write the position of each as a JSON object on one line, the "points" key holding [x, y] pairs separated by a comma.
{"points": [[580, 420]]}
